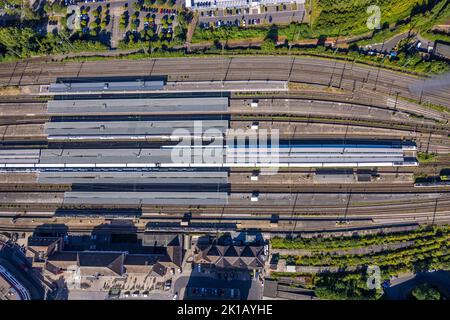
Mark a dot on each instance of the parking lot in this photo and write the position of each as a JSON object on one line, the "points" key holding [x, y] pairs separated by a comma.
{"points": [[114, 21], [207, 283], [244, 17]]}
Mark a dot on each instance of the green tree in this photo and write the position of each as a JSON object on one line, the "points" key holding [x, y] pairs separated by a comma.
{"points": [[425, 292], [268, 46]]}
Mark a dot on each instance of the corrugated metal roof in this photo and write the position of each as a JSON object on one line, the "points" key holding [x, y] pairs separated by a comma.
{"points": [[105, 128], [129, 106], [179, 177], [105, 86], [147, 198]]}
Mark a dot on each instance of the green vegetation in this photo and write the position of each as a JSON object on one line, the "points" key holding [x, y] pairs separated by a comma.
{"points": [[277, 275], [124, 20], [24, 42], [350, 17], [430, 66], [429, 251], [425, 157], [184, 18], [55, 8], [333, 18], [229, 33], [20, 9], [157, 3], [291, 32], [405, 61], [425, 292], [345, 286], [343, 243], [148, 40], [425, 21], [344, 18]]}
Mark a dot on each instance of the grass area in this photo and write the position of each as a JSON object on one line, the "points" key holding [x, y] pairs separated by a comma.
{"points": [[436, 107], [350, 17], [427, 104], [422, 22], [425, 157], [230, 33], [344, 18], [439, 14], [132, 56], [383, 35]]}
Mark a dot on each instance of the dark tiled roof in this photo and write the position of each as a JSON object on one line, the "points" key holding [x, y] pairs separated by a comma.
{"points": [[41, 241], [159, 269], [63, 256], [141, 259], [231, 252], [232, 256], [105, 260], [175, 254], [97, 259], [161, 239]]}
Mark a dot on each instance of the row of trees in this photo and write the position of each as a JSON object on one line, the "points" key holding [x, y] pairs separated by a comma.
{"points": [[25, 42], [424, 253], [333, 243], [150, 3]]}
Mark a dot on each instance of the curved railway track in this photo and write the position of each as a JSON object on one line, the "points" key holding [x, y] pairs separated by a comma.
{"points": [[322, 72]]}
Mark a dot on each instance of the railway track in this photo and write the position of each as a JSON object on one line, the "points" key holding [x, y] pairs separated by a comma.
{"points": [[380, 102], [322, 72], [293, 207], [244, 187]]}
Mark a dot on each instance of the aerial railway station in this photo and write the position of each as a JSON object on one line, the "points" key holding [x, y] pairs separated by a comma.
{"points": [[106, 150], [234, 168], [76, 119]]}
